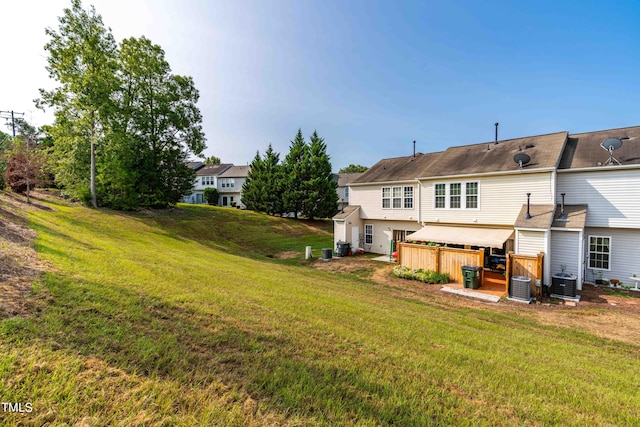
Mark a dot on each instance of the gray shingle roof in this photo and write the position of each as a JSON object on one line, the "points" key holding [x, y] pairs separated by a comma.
{"points": [[543, 150], [213, 170], [397, 169], [584, 150], [344, 179], [545, 216], [236, 172]]}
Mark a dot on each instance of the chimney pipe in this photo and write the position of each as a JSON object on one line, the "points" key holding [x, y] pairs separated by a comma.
{"points": [[497, 132], [414, 149], [528, 204], [563, 216]]}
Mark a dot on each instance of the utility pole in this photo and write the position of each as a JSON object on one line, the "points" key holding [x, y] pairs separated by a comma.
{"points": [[11, 115]]}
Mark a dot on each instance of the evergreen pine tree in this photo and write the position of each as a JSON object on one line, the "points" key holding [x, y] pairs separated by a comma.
{"points": [[253, 187], [296, 173], [273, 178], [321, 198]]}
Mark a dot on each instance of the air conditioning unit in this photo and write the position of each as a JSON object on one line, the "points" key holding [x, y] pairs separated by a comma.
{"points": [[520, 288]]}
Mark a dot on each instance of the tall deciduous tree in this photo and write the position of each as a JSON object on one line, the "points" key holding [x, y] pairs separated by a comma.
{"points": [[353, 169], [212, 160], [157, 125], [82, 59], [125, 125]]}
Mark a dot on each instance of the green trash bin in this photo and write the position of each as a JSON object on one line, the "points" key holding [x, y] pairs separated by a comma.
{"points": [[471, 276]]}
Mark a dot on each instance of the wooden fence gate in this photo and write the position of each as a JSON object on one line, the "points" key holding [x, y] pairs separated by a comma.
{"points": [[528, 266]]}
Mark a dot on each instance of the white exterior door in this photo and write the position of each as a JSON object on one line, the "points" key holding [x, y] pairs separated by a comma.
{"points": [[355, 236]]}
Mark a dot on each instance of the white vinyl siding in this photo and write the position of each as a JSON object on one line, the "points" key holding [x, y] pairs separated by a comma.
{"points": [[611, 194], [530, 242], [565, 250], [373, 205], [381, 236], [499, 199], [625, 250]]}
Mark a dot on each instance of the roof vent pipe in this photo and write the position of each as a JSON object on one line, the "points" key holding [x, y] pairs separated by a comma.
{"points": [[497, 132], [414, 149], [563, 215], [528, 204]]}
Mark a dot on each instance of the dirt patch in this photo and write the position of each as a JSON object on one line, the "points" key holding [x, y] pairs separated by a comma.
{"points": [[287, 255], [601, 311], [20, 265]]}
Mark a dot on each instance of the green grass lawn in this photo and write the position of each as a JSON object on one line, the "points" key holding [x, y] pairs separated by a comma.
{"points": [[182, 318]]}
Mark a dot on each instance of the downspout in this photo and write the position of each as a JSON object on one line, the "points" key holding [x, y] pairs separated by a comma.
{"points": [[419, 201], [554, 183], [581, 261]]}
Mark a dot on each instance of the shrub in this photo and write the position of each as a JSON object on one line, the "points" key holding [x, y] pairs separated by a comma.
{"points": [[426, 276], [211, 195]]}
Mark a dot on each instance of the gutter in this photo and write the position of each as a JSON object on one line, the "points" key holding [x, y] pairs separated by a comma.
{"points": [[600, 168], [513, 172]]}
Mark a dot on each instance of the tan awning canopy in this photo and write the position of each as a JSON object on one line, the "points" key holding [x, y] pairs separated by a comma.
{"points": [[473, 236]]}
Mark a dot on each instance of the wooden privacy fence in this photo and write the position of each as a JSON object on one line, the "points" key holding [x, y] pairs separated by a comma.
{"points": [[528, 266], [450, 260], [439, 259]]}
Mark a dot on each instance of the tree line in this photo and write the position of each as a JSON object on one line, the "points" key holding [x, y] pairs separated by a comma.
{"points": [[124, 124], [302, 184]]}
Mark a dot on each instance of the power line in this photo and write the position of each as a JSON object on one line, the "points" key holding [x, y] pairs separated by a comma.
{"points": [[11, 115]]}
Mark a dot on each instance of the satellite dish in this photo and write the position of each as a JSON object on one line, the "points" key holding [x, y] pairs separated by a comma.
{"points": [[521, 159], [610, 145]]}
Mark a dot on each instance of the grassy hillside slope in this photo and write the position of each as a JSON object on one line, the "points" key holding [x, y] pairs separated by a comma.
{"points": [[181, 318]]}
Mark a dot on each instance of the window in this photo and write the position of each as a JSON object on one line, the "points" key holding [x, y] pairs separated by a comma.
{"points": [[454, 195], [386, 197], [368, 234], [440, 196], [408, 197], [346, 193], [227, 182], [397, 197], [599, 252], [207, 180], [472, 195]]}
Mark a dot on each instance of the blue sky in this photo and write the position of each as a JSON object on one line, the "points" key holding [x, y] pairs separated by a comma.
{"points": [[370, 76]]}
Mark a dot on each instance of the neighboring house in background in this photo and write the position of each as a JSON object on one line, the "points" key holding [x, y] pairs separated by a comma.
{"points": [[206, 176], [343, 180], [230, 184], [475, 196]]}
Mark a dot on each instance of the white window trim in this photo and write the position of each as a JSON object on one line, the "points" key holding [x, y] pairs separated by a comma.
{"points": [[402, 198], [368, 234], [589, 252], [405, 198], [447, 196]]}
